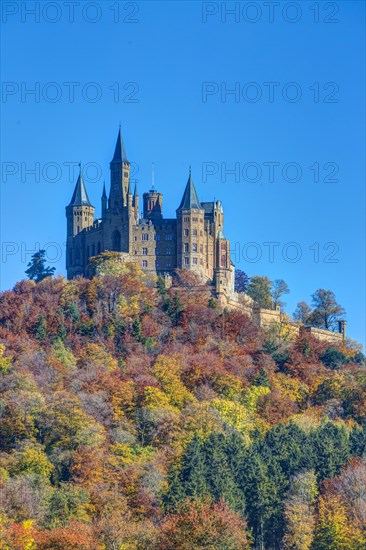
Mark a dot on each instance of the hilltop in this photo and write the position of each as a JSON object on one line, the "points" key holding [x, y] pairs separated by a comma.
{"points": [[139, 417]]}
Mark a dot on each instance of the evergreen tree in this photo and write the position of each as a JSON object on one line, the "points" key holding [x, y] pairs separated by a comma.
{"points": [[37, 270], [41, 329], [259, 289], [330, 449]]}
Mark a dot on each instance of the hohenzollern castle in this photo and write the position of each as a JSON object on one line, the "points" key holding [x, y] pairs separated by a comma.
{"points": [[192, 240]]}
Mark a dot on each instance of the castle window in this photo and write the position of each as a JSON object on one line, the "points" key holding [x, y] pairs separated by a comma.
{"points": [[125, 174], [144, 251], [186, 219], [201, 249], [168, 251], [194, 219], [201, 261], [145, 237], [116, 240], [186, 247], [77, 229], [186, 261], [157, 237], [186, 232], [144, 263], [168, 237], [194, 247], [194, 261], [135, 238], [194, 232], [168, 264]]}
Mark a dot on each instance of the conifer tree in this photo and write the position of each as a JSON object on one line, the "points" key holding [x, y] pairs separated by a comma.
{"points": [[37, 270]]}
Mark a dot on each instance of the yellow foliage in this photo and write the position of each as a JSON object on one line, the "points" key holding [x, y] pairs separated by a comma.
{"points": [[5, 362], [251, 396], [235, 415], [92, 353], [166, 369], [292, 387], [123, 399], [228, 385], [153, 397]]}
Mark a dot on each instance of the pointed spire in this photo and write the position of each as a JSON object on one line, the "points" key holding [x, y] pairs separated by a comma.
{"points": [[104, 194], [120, 151], [129, 188], [153, 177], [135, 193], [80, 196], [190, 197]]}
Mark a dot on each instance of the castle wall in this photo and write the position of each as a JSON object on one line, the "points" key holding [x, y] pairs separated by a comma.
{"points": [[324, 335]]}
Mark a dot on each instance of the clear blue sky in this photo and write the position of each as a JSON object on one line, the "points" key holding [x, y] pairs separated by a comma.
{"points": [[311, 115]]}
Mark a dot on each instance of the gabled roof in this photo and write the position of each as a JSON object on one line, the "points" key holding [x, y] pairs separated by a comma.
{"points": [[190, 198], [80, 196], [120, 151]]}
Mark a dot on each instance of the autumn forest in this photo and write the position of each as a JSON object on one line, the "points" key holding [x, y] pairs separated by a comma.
{"points": [[139, 417]]}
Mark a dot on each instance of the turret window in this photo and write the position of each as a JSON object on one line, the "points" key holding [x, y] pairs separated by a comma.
{"points": [[186, 219], [144, 251], [168, 237], [186, 261], [168, 251], [145, 237], [186, 232], [194, 232], [144, 263], [186, 247]]}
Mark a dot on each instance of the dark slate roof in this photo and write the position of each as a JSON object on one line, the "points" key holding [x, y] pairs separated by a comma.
{"points": [[135, 193], [190, 197], [208, 207], [104, 194], [80, 196], [120, 151]]}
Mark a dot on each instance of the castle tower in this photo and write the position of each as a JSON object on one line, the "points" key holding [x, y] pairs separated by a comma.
{"points": [[224, 273], [190, 230], [119, 218], [120, 176], [80, 211], [80, 216], [104, 202], [135, 203], [153, 205]]}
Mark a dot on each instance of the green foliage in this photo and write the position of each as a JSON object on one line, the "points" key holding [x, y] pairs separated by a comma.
{"points": [[37, 270], [326, 311], [333, 358], [259, 289], [40, 331]]}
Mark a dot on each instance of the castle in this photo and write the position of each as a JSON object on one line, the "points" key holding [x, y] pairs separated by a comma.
{"points": [[193, 240]]}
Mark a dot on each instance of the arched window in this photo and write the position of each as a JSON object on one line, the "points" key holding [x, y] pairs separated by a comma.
{"points": [[116, 241]]}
